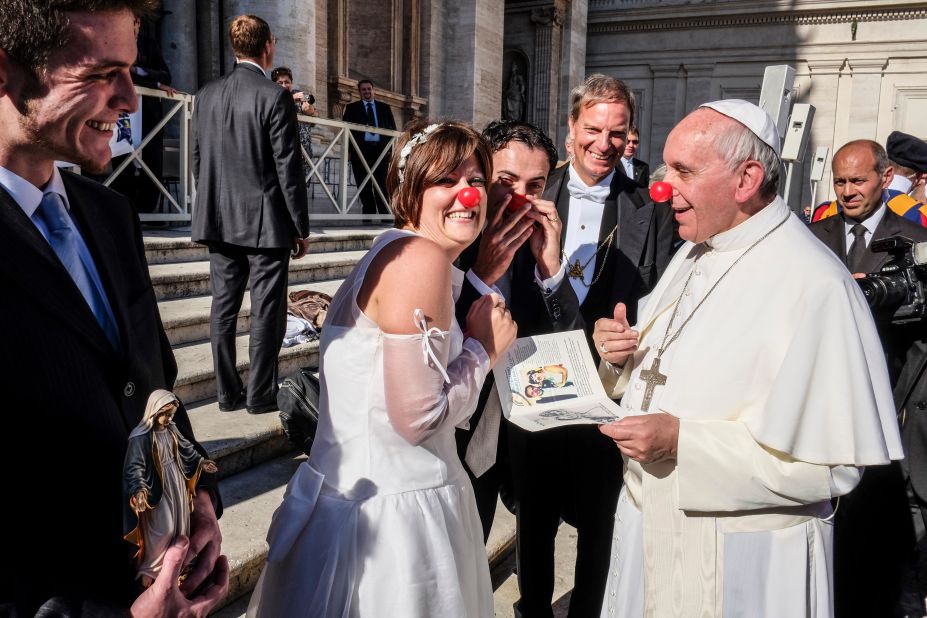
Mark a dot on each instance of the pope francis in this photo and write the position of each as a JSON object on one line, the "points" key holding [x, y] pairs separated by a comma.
{"points": [[754, 391]]}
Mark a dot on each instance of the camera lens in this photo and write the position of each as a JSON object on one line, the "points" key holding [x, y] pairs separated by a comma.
{"points": [[884, 292], [310, 99]]}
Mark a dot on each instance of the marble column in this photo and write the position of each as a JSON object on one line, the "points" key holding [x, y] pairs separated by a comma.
{"points": [[698, 85], [572, 65], [824, 85], [666, 104], [548, 36], [866, 80], [179, 44], [472, 73]]}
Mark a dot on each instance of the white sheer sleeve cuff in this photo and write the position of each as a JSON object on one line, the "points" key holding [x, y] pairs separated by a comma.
{"points": [[423, 391]]}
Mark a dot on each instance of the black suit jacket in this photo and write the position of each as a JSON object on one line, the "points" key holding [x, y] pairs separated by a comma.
{"points": [[69, 402], [247, 163], [832, 232], [641, 171], [911, 401], [355, 112], [896, 339]]}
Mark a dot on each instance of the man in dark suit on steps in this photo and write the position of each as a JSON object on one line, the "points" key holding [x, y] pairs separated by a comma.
{"points": [[252, 210], [81, 339], [371, 113], [869, 567]]}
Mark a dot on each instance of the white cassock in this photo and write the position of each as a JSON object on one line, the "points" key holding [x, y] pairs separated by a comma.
{"points": [[782, 394]]}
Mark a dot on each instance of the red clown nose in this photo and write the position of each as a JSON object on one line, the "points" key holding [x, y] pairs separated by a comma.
{"points": [[661, 192], [469, 197], [517, 201]]}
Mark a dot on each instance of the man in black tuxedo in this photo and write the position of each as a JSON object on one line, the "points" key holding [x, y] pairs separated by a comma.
{"points": [[252, 209], [522, 158], [371, 113], [616, 245], [83, 345], [631, 166], [869, 566]]}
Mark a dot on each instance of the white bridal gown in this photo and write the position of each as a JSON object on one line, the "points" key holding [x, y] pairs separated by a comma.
{"points": [[381, 520]]}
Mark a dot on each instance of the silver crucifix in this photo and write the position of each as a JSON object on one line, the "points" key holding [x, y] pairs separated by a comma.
{"points": [[653, 378]]}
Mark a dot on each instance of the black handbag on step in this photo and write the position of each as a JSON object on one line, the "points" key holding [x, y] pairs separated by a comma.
{"points": [[298, 402]]}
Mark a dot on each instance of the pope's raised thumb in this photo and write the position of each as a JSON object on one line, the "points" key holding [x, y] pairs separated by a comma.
{"points": [[621, 314]]}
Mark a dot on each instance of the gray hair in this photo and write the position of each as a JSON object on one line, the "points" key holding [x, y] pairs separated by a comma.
{"points": [[598, 88], [738, 144]]}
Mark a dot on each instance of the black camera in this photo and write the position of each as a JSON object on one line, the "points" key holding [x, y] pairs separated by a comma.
{"points": [[307, 96], [897, 292]]}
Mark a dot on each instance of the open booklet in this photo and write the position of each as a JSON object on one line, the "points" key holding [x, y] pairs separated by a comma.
{"points": [[552, 382]]}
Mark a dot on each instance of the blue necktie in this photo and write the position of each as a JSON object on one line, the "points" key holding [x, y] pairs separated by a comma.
{"points": [[69, 247]]}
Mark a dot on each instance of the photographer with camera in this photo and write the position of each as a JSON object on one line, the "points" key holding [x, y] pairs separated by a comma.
{"points": [[305, 104], [874, 537], [305, 101]]}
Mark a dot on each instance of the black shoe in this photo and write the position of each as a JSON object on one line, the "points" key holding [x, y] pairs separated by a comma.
{"points": [[235, 404], [261, 408]]}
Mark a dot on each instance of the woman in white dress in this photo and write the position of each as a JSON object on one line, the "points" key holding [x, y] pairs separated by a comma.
{"points": [[381, 520]]}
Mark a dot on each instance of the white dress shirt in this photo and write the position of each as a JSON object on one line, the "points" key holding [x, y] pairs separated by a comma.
{"points": [[870, 224]]}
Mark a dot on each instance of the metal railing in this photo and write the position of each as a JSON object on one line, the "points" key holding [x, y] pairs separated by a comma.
{"points": [[337, 196], [340, 141], [179, 203]]}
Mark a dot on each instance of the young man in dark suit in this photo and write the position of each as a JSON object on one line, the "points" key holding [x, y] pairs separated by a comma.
{"points": [[371, 113], [869, 568], [83, 345], [522, 158], [634, 168], [252, 210]]}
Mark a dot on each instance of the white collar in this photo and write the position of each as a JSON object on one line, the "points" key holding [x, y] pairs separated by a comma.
{"points": [[747, 232], [254, 64], [870, 223], [27, 195], [900, 183], [597, 193]]}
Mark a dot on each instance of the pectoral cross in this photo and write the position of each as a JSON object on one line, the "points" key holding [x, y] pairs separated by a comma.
{"points": [[653, 378]]}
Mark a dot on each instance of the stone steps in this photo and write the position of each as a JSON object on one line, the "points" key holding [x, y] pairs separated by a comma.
{"points": [[238, 441], [185, 279], [186, 320], [196, 380], [170, 247]]}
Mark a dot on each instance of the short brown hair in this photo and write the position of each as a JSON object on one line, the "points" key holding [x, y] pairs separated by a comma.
{"points": [[30, 30], [281, 72], [447, 146], [600, 88], [248, 34]]}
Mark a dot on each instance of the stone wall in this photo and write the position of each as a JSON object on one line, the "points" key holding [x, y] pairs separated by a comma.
{"points": [[864, 69]]}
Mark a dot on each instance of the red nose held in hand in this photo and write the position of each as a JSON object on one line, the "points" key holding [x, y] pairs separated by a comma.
{"points": [[469, 197], [661, 192], [518, 200]]}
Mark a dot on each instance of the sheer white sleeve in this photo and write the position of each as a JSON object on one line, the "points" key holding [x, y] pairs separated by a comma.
{"points": [[424, 392]]}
